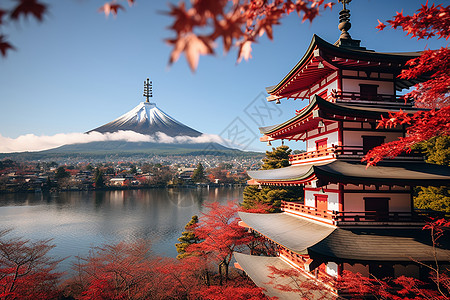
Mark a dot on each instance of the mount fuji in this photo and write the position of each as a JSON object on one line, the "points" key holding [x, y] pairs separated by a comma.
{"points": [[158, 133], [148, 119]]}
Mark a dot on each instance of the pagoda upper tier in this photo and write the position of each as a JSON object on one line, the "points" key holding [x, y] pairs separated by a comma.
{"points": [[325, 112], [324, 62]]}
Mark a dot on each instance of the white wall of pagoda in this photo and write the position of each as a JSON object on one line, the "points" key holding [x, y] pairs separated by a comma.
{"points": [[353, 85], [331, 191], [327, 84], [330, 133], [398, 202], [355, 138], [332, 269]]}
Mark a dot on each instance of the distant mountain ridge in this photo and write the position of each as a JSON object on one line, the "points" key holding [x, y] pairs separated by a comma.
{"points": [[148, 119]]}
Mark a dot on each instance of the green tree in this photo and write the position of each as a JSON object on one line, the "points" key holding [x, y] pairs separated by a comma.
{"points": [[277, 158], [268, 195], [199, 174], [133, 169], [99, 181], [187, 238], [437, 151], [61, 173]]}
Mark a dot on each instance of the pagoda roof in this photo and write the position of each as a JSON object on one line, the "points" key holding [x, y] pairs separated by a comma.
{"points": [[258, 269], [319, 240], [319, 108], [307, 71], [355, 172]]}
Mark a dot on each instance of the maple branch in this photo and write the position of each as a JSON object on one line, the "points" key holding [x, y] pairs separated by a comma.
{"points": [[237, 23]]}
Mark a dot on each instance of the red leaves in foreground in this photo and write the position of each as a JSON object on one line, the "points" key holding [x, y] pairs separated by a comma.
{"points": [[129, 271], [110, 8], [220, 235], [29, 7], [26, 269], [423, 126], [22, 8], [4, 45], [434, 93], [236, 22], [401, 288], [427, 22]]}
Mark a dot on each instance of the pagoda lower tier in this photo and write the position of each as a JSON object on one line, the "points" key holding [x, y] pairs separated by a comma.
{"points": [[347, 193], [320, 253], [353, 218]]}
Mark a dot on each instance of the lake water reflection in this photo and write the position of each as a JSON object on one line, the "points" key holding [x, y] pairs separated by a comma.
{"points": [[77, 221]]}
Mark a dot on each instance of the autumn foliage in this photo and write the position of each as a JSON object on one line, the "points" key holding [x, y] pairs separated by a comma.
{"points": [[26, 269], [433, 93], [129, 270], [22, 8], [200, 24], [220, 235]]}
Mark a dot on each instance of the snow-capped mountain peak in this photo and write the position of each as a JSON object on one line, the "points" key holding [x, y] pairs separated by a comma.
{"points": [[147, 118]]}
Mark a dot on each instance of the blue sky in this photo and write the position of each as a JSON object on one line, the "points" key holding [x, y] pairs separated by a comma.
{"points": [[78, 69]]}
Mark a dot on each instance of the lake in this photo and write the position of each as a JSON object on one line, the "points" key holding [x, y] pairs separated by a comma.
{"points": [[77, 221]]}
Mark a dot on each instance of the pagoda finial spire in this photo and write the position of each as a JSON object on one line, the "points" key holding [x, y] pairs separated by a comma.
{"points": [[345, 40], [344, 20], [148, 93]]}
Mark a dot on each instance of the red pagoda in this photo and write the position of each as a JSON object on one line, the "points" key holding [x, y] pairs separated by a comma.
{"points": [[352, 218]]}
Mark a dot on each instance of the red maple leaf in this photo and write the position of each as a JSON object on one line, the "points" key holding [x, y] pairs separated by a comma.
{"points": [[4, 45], [380, 26], [192, 46], [29, 7], [110, 8], [2, 14]]}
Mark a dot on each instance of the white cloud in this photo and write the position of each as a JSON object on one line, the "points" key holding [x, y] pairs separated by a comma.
{"points": [[31, 142]]}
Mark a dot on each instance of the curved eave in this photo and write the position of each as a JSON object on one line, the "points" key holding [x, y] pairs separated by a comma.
{"points": [[302, 62], [384, 173], [394, 244], [288, 175], [330, 111], [296, 234], [332, 243], [258, 268], [305, 113], [337, 58], [354, 172]]}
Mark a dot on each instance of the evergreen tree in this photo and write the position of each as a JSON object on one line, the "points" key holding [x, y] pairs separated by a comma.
{"points": [[277, 158], [254, 195], [99, 181], [187, 238], [199, 174], [437, 151], [61, 173], [133, 169]]}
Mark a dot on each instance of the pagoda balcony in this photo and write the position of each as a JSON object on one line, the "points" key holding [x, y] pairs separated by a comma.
{"points": [[356, 152], [360, 218], [377, 99]]}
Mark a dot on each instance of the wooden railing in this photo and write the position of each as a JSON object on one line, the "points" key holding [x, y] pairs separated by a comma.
{"points": [[361, 217], [359, 151], [309, 210], [312, 154], [354, 97], [375, 216], [348, 152]]}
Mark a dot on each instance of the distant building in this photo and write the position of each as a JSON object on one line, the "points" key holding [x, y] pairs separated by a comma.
{"points": [[119, 181]]}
